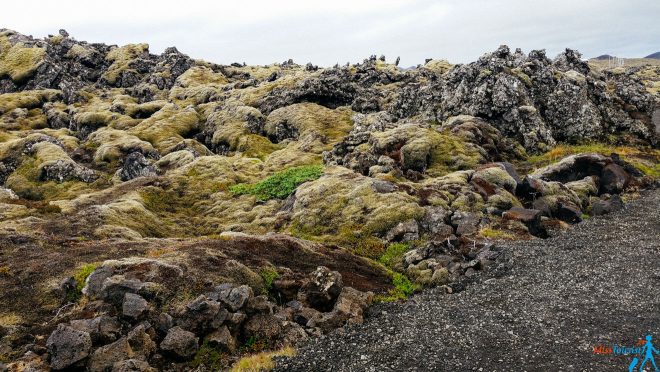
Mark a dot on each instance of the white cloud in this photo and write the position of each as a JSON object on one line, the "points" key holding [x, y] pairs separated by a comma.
{"points": [[326, 32]]}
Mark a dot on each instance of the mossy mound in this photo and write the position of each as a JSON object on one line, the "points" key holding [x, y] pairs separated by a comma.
{"points": [[121, 59], [167, 128], [28, 99], [345, 208], [424, 149], [19, 61]]}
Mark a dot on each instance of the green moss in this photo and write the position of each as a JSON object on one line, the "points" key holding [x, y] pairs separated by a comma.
{"points": [[80, 276], [393, 254], [281, 184], [403, 288], [18, 61]]}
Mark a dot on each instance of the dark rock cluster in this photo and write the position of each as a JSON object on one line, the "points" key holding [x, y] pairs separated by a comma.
{"points": [[136, 322]]}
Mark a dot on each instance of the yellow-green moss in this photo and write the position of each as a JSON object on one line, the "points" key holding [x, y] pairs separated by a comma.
{"points": [[343, 208], [18, 61], [78, 51], [522, 76], [438, 66], [109, 144], [426, 149], [28, 99], [25, 180], [167, 128], [491, 233], [121, 58], [318, 127], [262, 361]]}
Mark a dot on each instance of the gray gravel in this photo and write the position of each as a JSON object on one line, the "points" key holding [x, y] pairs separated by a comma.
{"points": [[545, 308]]}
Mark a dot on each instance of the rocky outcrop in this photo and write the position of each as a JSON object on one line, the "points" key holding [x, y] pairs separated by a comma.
{"points": [[145, 331], [186, 171]]}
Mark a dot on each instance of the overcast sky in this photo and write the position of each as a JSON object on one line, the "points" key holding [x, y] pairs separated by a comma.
{"points": [[326, 32]]}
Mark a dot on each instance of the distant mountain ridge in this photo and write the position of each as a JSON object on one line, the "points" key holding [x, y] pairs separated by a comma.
{"points": [[605, 57]]}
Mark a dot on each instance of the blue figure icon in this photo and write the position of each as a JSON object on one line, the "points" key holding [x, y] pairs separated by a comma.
{"points": [[648, 351]]}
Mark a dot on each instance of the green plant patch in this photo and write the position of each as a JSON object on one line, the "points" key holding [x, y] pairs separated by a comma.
{"points": [[279, 185], [80, 277], [268, 275], [403, 288], [393, 253], [210, 357]]}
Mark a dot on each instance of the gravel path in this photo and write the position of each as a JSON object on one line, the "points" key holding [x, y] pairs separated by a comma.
{"points": [[548, 305]]}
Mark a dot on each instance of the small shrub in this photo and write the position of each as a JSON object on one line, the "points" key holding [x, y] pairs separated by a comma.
{"points": [[268, 275], [281, 184], [255, 345], [6, 271], [393, 253], [50, 209], [80, 276], [210, 357], [159, 200]]}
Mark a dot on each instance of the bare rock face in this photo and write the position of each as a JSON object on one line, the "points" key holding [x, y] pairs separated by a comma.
{"points": [[134, 305], [180, 342], [322, 289], [613, 178], [348, 309], [102, 329], [67, 346], [136, 165], [113, 279], [132, 365], [106, 356]]}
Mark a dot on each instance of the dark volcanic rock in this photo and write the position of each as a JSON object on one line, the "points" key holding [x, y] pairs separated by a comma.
{"points": [[180, 342], [67, 346], [136, 165], [322, 289], [607, 205]]}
